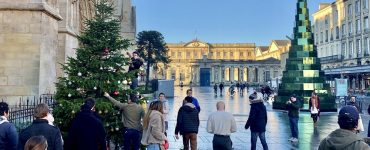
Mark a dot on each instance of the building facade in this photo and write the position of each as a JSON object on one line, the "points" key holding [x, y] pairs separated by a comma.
{"points": [[341, 32], [274, 50], [39, 35], [204, 64]]}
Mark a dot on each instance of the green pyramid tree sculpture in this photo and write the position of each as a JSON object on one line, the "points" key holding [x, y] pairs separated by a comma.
{"points": [[303, 72]]}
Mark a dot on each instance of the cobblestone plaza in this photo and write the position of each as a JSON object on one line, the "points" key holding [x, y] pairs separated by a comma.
{"points": [[278, 131]]}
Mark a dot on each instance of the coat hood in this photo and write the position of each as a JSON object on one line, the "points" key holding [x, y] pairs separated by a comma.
{"points": [[340, 139], [189, 107], [3, 119]]}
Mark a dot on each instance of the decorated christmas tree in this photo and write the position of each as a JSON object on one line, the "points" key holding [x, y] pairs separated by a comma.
{"points": [[303, 72], [99, 66]]}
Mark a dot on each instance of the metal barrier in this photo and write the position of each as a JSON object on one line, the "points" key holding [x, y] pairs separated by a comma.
{"points": [[21, 114]]}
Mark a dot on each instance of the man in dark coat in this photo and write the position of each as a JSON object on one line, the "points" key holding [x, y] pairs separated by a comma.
{"points": [[257, 121], [135, 64], [8, 133], [41, 126], [188, 124], [87, 131]]}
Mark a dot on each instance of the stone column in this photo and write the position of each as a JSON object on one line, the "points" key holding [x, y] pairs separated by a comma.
{"points": [[213, 74], [220, 73], [198, 76], [231, 74]]}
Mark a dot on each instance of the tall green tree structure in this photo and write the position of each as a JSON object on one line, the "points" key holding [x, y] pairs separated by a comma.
{"points": [[98, 67], [303, 72], [152, 48]]}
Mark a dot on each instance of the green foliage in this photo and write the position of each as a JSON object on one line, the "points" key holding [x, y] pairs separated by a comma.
{"points": [[99, 67], [152, 48]]}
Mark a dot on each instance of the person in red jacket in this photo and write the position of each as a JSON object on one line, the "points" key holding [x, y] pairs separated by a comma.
{"points": [[314, 107]]}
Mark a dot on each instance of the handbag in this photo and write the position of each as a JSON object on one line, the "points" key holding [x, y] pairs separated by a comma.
{"points": [[360, 126], [314, 110], [165, 146]]}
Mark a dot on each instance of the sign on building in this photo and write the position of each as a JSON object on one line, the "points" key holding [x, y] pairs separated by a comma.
{"points": [[341, 87]]}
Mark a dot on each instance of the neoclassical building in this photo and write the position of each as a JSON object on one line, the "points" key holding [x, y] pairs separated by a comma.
{"points": [[204, 64], [341, 32], [39, 35]]}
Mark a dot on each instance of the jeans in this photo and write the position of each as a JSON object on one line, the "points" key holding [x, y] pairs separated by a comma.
{"points": [[294, 126], [192, 138], [254, 137], [153, 147], [220, 142], [134, 83], [132, 139]]}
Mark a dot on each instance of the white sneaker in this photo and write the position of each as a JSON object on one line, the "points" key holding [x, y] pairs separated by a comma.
{"points": [[290, 139], [294, 140]]}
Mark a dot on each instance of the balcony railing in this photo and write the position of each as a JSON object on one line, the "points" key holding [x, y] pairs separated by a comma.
{"points": [[331, 59]]}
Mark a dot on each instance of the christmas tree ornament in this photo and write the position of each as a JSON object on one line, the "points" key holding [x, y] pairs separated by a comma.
{"points": [[69, 83], [115, 93], [105, 111], [69, 95], [101, 68], [99, 112], [73, 112], [95, 88], [124, 82], [117, 128], [79, 74], [119, 82]]}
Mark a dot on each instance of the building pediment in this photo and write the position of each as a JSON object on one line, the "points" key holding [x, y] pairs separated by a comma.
{"points": [[196, 43]]}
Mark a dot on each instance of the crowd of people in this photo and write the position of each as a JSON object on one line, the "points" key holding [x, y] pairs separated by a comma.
{"points": [[150, 127]]}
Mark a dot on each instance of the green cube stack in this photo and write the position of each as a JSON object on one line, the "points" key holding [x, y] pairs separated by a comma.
{"points": [[303, 72]]}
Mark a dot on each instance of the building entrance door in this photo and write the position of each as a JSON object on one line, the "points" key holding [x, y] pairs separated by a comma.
{"points": [[205, 76]]}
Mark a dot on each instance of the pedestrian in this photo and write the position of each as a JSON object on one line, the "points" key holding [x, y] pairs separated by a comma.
{"points": [[221, 86], [134, 65], [257, 121], [132, 113], [221, 124], [187, 124], [87, 130], [8, 133], [36, 143], [189, 93], [314, 107], [215, 87], [345, 138], [41, 126], [292, 106], [353, 103], [154, 127], [368, 131], [166, 109]]}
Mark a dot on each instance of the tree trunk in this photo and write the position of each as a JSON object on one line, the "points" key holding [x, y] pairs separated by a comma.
{"points": [[147, 75]]}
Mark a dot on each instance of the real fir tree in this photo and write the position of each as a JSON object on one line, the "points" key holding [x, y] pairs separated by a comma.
{"points": [[99, 66]]}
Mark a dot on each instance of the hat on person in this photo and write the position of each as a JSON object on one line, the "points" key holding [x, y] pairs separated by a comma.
{"points": [[348, 117], [293, 95], [349, 111]]}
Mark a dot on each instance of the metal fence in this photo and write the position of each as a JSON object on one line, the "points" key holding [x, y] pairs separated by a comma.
{"points": [[21, 114]]}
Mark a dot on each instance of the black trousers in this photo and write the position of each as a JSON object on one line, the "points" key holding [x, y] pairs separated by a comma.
{"points": [[221, 142]]}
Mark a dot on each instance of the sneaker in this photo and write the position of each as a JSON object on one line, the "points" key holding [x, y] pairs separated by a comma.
{"points": [[294, 140]]}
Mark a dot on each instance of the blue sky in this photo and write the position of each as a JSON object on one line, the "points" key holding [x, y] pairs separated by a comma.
{"points": [[220, 21]]}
